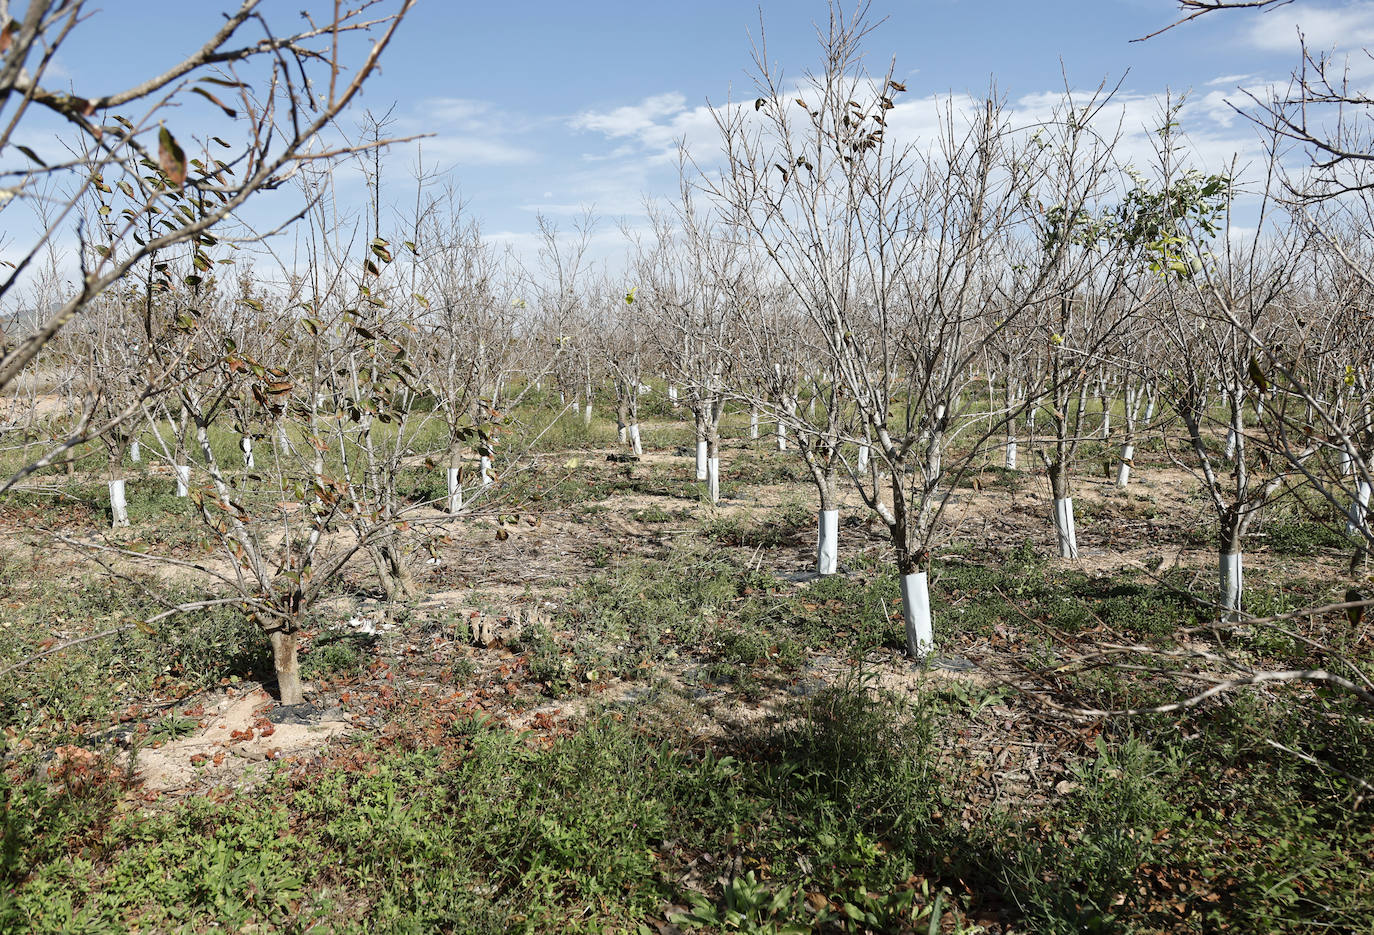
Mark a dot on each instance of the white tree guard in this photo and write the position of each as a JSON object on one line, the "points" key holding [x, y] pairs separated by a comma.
{"points": [[827, 542], [587, 415], [183, 473], [135, 452], [636, 445], [623, 434], [753, 423], [246, 445], [863, 459], [1359, 510], [701, 459], [713, 478], [1123, 470], [119, 506], [455, 491], [1063, 525], [1010, 460], [782, 436], [486, 471], [920, 635], [1230, 443], [1232, 584]]}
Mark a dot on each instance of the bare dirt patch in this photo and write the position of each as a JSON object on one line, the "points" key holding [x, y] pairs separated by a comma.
{"points": [[238, 731]]}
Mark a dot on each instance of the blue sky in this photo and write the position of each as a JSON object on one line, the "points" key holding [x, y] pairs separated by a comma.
{"points": [[555, 106]]}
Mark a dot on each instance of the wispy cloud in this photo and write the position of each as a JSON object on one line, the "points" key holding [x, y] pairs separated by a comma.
{"points": [[656, 125], [1325, 27], [468, 134]]}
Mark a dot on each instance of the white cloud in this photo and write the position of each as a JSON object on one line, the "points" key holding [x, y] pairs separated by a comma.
{"points": [[467, 133], [1325, 27], [656, 125], [459, 112], [476, 151], [1229, 79], [634, 119]]}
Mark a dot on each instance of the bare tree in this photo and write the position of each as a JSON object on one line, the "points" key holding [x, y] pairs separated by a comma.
{"points": [[908, 262]]}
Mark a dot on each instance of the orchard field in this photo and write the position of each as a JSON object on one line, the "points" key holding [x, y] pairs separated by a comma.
{"points": [[636, 710], [940, 514]]}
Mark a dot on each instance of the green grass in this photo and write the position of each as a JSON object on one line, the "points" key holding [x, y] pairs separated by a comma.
{"points": [[856, 814]]}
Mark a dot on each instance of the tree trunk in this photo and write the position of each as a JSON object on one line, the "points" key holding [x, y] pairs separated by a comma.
{"points": [[289, 691], [402, 585]]}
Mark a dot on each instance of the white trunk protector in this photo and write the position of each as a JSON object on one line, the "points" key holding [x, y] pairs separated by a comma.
{"points": [[135, 453], [119, 507], [828, 542], [183, 472], [635, 443], [701, 460], [246, 444], [1123, 472], [455, 492], [920, 636], [1063, 525], [623, 434], [1010, 461], [713, 478], [753, 423], [1229, 567], [1230, 443], [863, 458], [782, 436], [587, 415], [1358, 510], [486, 471]]}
